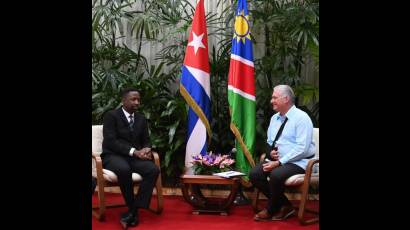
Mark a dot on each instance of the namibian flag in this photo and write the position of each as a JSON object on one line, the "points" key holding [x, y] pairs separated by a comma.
{"points": [[241, 90]]}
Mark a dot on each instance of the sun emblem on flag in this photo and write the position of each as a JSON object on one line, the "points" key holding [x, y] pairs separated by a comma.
{"points": [[242, 27]]}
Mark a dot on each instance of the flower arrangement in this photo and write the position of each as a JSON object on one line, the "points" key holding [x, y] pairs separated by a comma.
{"points": [[211, 163]]}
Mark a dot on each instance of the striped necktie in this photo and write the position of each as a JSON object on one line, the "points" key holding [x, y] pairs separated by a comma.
{"points": [[131, 123]]}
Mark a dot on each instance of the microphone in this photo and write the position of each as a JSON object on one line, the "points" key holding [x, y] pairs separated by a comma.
{"points": [[232, 152]]}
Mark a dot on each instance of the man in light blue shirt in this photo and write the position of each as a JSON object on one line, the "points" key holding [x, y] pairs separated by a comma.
{"points": [[290, 145]]}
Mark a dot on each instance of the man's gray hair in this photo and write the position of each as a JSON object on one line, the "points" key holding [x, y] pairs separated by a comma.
{"points": [[286, 90]]}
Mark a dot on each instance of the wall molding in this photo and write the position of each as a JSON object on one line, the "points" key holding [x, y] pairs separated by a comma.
{"points": [[168, 191]]}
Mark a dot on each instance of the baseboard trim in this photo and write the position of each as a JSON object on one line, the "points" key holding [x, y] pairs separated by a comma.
{"points": [[168, 191]]}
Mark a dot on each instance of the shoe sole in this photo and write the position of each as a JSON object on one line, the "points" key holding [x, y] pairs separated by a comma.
{"points": [[286, 216], [261, 219]]}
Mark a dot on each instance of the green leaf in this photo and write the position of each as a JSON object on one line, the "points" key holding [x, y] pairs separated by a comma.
{"points": [[171, 132], [168, 155]]}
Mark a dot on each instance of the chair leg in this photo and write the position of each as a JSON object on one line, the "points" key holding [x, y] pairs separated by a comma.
{"points": [[100, 214], [255, 200], [160, 199], [303, 209]]}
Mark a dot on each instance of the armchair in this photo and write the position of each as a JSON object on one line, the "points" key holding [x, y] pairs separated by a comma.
{"points": [[106, 178], [301, 183]]}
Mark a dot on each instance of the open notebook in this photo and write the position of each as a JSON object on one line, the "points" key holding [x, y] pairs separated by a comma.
{"points": [[229, 174]]}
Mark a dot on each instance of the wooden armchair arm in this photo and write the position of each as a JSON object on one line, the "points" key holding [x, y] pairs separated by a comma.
{"points": [[94, 154], [158, 186], [98, 160], [309, 169], [99, 167], [156, 159]]}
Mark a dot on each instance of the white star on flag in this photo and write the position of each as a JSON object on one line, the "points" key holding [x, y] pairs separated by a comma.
{"points": [[196, 42]]}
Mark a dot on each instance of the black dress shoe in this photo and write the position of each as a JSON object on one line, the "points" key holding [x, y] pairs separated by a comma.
{"points": [[128, 219]]}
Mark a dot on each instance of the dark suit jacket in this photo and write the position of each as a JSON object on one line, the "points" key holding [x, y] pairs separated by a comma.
{"points": [[118, 137]]}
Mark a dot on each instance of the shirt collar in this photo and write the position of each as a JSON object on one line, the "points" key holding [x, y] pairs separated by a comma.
{"points": [[281, 118], [289, 114], [127, 115]]}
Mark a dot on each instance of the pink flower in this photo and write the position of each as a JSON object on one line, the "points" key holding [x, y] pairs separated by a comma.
{"points": [[211, 163]]}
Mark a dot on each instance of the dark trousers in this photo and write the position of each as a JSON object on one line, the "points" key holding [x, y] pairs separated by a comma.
{"points": [[123, 167], [274, 189]]}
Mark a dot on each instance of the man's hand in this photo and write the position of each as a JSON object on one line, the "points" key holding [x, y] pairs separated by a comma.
{"points": [[274, 154], [143, 154], [147, 153], [138, 154], [267, 167]]}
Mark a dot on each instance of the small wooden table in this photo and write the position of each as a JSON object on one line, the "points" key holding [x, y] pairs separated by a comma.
{"points": [[208, 206]]}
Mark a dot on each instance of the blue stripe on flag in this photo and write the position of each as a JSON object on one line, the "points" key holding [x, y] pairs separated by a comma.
{"points": [[242, 6], [243, 50], [192, 119], [196, 91]]}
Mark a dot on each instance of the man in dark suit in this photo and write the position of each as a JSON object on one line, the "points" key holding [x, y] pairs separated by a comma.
{"points": [[126, 149]]}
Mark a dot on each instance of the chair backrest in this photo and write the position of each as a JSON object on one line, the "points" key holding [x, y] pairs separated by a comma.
{"points": [[97, 131], [97, 138], [316, 140]]}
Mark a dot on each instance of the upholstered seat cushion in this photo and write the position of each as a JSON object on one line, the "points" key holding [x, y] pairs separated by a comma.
{"points": [[297, 179], [111, 177]]}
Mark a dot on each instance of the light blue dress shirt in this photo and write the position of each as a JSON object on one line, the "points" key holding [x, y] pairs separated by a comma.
{"points": [[296, 142]]}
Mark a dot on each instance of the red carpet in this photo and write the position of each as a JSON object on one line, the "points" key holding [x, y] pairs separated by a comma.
{"points": [[177, 215]]}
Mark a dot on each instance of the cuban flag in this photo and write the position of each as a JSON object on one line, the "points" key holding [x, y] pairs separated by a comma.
{"points": [[195, 87]]}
